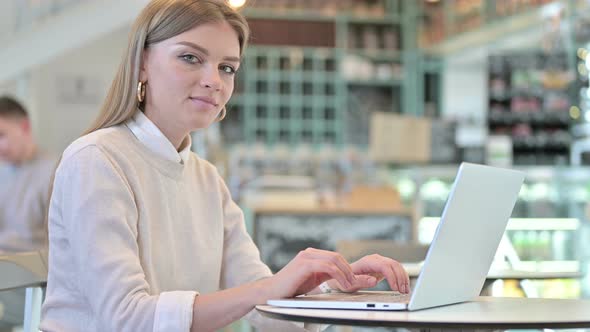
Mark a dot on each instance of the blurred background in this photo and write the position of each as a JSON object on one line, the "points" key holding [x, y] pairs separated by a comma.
{"points": [[350, 118]]}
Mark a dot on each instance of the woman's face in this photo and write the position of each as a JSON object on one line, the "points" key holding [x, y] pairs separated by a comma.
{"points": [[190, 77]]}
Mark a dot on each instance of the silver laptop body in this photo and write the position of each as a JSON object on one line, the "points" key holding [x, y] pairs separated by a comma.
{"points": [[459, 258]]}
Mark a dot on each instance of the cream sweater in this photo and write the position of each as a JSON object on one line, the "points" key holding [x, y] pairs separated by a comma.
{"points": [[134, 236], [24, 192]]}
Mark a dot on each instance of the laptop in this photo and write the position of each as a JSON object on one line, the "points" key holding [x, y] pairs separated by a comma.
{"points": [[471, 227]]}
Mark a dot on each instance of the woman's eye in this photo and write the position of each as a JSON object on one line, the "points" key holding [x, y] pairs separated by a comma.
{"points": [[228, 69], [190, 58]]}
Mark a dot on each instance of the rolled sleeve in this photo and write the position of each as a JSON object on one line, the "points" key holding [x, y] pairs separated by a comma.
{"points": [[174, 311]]}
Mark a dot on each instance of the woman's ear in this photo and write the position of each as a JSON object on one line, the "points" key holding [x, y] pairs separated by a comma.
{"points": [[143, 77]]}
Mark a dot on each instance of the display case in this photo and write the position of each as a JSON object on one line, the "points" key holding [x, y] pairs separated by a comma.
{"points": [[545, 234], [444, 20], [315, 71], [530, 94], [281, 233], [287, 216]]}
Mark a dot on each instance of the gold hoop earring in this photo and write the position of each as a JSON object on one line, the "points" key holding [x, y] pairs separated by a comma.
{"points": [[141, 91], [222, 115]]}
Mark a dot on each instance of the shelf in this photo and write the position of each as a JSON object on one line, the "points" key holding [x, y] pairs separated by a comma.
{"points": [[287, 15], [535, 118], [562, 266], [304, 15], [524, 224], [432, 66], [516, 146], [376, 83], [536, 93], [277, 100], [302, 75], [549, 124], [474, 11], [518, 93], [377, 55], [534, 115], [299, 94], [543, 224], [535, 173], [285, 50], [382, 20], [484, 23]]}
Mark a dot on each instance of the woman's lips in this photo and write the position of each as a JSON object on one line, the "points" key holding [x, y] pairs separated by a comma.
{"points": [[206, 100]]}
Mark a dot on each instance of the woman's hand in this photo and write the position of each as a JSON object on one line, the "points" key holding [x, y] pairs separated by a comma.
{"points": [[381, 268], [310, 268]]}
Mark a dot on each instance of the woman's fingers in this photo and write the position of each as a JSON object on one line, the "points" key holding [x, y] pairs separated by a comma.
{"points": [[335, 259], [393, 271], [365, 273], [396, 275], [331, 270], [400, 276], [364, 281], [391, 277]]}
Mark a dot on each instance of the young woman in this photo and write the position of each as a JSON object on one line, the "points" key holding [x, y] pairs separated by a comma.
{"points": [[143, 234]]}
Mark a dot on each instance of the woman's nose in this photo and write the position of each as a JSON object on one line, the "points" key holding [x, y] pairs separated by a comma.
{"points": [[211, 79]]}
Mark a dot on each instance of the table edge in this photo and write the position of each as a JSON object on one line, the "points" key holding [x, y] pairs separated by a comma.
{"points": [[453, 325]]}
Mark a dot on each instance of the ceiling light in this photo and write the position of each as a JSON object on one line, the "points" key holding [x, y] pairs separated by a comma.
{"points": [[237, 3]]}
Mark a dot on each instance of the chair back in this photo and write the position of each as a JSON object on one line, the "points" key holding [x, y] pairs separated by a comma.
{"points": [[26, 270], [23, 270]]}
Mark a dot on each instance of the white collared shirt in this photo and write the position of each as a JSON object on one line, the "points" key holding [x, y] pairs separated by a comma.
{"points": [[150, 135]]}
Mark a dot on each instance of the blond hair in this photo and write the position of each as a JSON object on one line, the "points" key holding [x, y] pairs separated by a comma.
{"points": [[158, 21]]}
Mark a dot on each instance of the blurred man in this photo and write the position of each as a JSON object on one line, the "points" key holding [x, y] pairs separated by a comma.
{"points": [[24, 182], [25, 177]]}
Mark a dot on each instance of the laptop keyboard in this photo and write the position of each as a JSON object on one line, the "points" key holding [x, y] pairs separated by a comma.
{"points": [[387, 297]]}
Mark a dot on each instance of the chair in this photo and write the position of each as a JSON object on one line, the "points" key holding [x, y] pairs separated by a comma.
{"points": [[26, 270], [401, 252]]}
